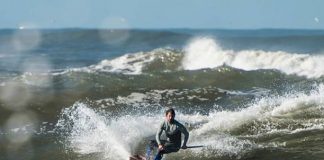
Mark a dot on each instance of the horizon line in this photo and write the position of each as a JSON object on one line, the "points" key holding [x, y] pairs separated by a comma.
{"points": [[144, 28]]}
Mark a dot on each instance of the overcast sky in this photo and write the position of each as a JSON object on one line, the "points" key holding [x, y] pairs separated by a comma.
{"points": [[226, 14]]}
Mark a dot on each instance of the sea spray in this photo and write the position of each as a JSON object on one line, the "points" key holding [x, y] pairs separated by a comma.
{"points": [[86, 131]]}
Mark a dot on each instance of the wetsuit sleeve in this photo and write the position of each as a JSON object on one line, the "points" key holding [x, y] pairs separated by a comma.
{"points": [[185, 132], [159, 133]]}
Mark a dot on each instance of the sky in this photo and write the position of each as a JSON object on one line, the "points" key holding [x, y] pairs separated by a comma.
{"points": [[157, 14]]}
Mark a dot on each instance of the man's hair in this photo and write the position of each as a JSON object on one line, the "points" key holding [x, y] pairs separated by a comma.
{"points": [[170, 110]]}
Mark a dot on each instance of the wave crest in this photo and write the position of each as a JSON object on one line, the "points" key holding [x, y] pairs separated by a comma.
{"points": [[206, 53]]}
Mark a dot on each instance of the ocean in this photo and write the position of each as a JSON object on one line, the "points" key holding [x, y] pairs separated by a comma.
{"points": [[91, 94]]}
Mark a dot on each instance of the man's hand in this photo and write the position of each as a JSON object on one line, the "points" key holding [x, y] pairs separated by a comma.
{"points": [[161, 147], [184, 146]]}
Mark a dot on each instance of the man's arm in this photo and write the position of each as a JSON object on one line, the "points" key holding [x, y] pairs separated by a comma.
{"points": [[186, 134], [158, 134]]}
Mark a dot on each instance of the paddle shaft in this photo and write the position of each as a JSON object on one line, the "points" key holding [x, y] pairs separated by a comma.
{"points": [[194, 146]]}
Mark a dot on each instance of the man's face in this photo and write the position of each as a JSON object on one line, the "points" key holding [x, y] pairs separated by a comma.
{"points": [[169, 117]]}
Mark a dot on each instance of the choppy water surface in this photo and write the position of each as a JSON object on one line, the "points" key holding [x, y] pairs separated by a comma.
{"points": [[101, 94]]}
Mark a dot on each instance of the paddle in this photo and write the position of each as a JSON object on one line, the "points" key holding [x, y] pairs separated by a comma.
{"points": [[195, 146]]}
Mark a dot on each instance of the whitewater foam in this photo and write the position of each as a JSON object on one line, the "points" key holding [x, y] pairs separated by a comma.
{"points": [[127, 64], [207, 53], [302, 111]]}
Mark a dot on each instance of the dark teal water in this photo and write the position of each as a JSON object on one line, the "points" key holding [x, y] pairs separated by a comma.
{"points": [[100, 94]]}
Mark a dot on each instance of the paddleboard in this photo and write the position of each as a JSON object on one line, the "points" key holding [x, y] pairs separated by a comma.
{"points": [[151, 151], [137, 157]]}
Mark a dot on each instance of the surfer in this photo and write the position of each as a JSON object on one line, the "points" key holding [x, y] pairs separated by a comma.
{"points": [[173, 130]]}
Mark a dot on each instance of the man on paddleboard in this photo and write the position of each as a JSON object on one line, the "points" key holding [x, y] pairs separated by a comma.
{"points": [[173, 130]]}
